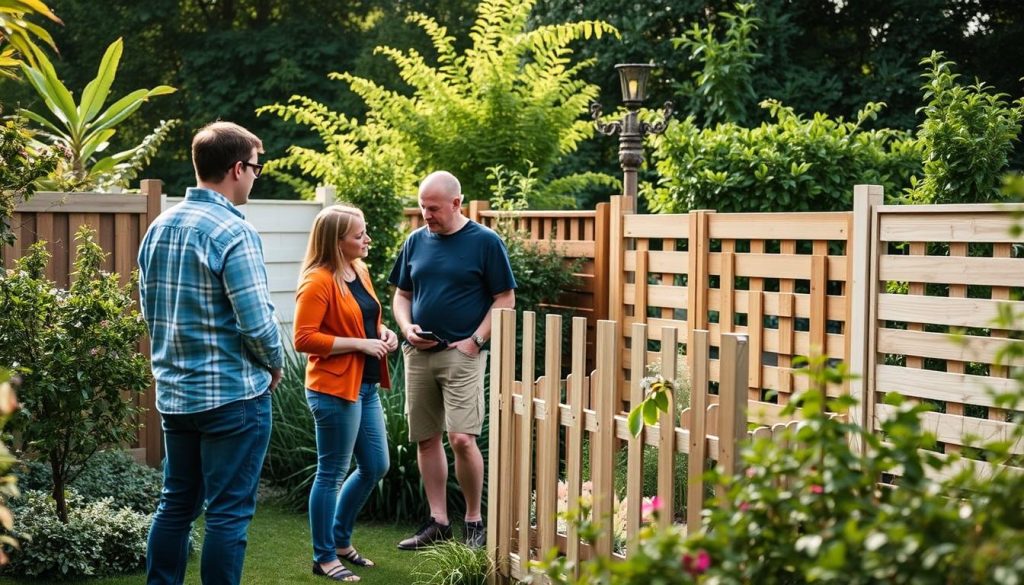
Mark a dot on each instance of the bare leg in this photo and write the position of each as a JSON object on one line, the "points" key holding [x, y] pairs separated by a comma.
{"points": [[469, 469], [434, 469]]}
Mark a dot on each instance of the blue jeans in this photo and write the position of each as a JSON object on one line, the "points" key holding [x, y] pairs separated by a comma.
{"points": [[213, 458], [344, 428]]}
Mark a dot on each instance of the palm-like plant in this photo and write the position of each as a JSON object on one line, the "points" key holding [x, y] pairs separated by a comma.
{"points": [[84, 130], [19, 37]]}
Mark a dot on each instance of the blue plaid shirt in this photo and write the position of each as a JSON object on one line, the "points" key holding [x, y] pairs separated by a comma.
{"points": [[203, 287]]}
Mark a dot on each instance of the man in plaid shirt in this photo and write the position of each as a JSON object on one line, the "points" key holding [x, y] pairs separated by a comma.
{"points": [[216, 356]]}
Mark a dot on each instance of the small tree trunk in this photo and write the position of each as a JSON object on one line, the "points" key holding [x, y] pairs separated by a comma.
{"points": [[58, 489]]}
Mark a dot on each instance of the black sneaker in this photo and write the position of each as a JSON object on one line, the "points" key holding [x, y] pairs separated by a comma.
{"points": [[476, 534], [429, 534]]}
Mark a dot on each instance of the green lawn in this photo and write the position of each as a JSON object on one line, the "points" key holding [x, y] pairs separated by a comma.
{"points": [[280, 552]]}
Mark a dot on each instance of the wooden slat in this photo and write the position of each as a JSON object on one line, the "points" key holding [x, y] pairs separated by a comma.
{"points": [[967, 348], [547, 435], [698, 430], [732, 414], [926, 384], [635, 450], [966, 226], [956, 312], [524, 453], [779, 226], [49, 202], [574, 438], [667, 424], [784, 265], [945, 270], [957, 429], [656, 226], [603, 443], [661, 261]]}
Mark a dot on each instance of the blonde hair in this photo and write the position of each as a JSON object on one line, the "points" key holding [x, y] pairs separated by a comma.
{"points": [[330, 226]]}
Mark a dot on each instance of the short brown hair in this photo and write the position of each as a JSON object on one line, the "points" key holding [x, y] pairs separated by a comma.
{"points": [[219, 145]]}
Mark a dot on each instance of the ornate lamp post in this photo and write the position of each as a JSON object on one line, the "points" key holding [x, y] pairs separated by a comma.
{"points": [[630, 129]]}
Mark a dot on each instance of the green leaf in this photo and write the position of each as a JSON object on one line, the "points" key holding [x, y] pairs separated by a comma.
{"points": [[98, 89], [634, 422]]}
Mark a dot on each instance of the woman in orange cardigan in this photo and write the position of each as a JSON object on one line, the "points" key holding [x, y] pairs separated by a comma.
{"points": [[338, 323]]}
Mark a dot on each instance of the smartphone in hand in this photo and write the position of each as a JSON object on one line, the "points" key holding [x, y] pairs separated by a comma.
{"points": [[429, 335]]}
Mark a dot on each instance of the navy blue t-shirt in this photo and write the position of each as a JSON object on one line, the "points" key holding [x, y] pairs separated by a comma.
{"points": [[453, 278]]}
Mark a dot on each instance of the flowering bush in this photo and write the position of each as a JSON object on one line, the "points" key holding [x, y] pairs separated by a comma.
{"points": [[810, 508], [76, 351]]}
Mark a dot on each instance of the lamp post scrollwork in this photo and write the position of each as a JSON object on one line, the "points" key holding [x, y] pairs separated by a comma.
{"points": [[631, 130]]}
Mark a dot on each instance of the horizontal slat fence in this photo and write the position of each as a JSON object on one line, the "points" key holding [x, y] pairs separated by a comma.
{"points": [[941, 270], [782, 279], [528, 415]]}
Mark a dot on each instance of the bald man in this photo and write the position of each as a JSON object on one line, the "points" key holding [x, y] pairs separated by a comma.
{"points": [[448, 276]]}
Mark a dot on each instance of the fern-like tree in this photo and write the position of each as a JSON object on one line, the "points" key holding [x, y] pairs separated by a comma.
{"points": [[513, 98]]}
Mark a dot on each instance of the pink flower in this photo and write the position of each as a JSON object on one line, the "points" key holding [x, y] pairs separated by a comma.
{"points": [[744, 506], [696, 564], [751, 472], [650, 507], [94, 351], [817, 489]]}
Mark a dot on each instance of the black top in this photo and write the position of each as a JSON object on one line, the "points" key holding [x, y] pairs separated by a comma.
{"points": [[371, 311]]}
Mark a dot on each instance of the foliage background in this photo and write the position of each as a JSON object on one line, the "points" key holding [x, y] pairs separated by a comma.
{"points": [[228, 58]]}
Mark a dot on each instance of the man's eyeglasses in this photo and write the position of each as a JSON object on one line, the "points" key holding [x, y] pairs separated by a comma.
{"points": [[257, 169]]}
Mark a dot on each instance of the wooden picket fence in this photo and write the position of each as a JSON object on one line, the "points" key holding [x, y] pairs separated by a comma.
{"points": [[529, 417]]}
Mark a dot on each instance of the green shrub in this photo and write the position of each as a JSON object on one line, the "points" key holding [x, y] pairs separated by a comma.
{"points": [[19, 172], [76, 351], [967, 134], [8, 482], [452, 563], [809, 508], [98, 539], [110, 474], [790, 164]]}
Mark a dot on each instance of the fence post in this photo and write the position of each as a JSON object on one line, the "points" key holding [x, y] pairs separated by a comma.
{"points": [[524, 454], [634, 475], [732, 410], [499, 509], [699, 350], [475, 207], [667, 428], [861, 310], [327, 195], [547, 437], [601, 251], [152, 436], [697, 276]]}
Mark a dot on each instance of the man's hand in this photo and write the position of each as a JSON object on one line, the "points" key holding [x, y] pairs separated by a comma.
{"points": [[466, 346], [275, 378], [417, 341]]}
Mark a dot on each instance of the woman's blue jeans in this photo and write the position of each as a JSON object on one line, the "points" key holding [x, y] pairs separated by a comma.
{"points": [[212, 457], [344, 428]]}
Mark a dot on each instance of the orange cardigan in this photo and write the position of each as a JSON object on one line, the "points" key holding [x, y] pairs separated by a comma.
{"points": [[321, 314]]}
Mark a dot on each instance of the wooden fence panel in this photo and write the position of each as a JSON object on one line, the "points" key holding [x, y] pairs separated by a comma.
{"points": [[942, 270], [780, 279], [519, 532]]}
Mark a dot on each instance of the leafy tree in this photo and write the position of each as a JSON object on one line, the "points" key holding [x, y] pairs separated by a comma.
{"points": [[967, 134], [84, 129], [19, 36], [722, 91], [76, 351], [513, 96], [361, 161]]}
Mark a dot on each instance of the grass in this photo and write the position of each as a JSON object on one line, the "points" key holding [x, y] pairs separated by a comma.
{"points": [[280, 552]]}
